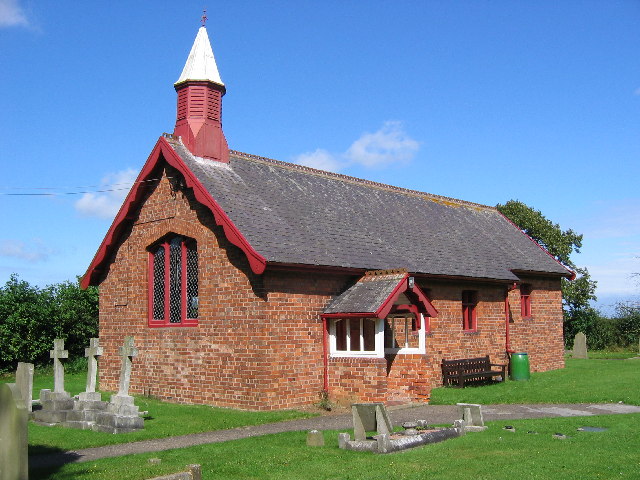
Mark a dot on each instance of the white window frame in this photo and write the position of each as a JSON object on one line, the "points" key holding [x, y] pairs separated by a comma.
{"points": [[379, 339], [422, 343]]}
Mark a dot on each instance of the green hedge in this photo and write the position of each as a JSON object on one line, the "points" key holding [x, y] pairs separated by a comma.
{"points": [[621, 331], [31, 317]]}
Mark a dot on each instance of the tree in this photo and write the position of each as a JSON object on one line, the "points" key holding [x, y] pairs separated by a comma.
{"points": [[579, 315], [31, 317]]}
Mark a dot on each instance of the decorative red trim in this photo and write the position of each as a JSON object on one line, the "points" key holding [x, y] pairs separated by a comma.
{"points": [[163, 150], [572, 274], [183, 280], [418, 295], [325, 347], [165, 321], [422, 298], [150, 280], [386, 306], [469, 310], [167, 283]]}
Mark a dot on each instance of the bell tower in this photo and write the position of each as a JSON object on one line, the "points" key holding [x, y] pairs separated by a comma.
{"points": [[199, 111]]}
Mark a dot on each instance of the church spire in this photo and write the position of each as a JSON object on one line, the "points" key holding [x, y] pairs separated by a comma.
{"points": [[199, 114]]}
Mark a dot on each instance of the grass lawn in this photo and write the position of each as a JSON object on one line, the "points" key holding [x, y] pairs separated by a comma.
{"points": [[164, 420], [494, 454], [604, 354], [582, 381]]}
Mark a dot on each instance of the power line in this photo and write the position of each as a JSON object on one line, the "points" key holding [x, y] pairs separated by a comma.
{"points": [[100, 188]]}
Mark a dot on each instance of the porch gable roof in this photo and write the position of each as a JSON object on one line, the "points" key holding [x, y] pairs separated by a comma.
{"points": [[375, 294]]}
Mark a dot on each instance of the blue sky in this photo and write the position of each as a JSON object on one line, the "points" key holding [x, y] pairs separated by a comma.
{"points": [[480, 100]]}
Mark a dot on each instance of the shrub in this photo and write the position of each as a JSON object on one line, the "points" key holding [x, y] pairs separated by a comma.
{"points": [[31, 318], [627, 323]]}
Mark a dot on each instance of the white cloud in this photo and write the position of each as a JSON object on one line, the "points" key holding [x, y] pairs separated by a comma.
{"points": [[389, 145], [320, 159], [11, 14], [36, 252], [105, 204]]}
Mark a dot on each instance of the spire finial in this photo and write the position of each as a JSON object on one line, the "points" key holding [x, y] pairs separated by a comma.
{"points": [[204, 17]]}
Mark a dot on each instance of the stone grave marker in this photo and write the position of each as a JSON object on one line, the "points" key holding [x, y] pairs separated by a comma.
{"points": [[315, 438], [121, 415], [92, 352], [471, 414], [14, 462], [57, 353], [368, 417], [24, 381], [89, 404], [580, 346], [56, 404]]}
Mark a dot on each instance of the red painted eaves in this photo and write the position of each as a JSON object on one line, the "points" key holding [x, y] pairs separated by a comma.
{"points": [[163, 151], [385, 308], [571, 274]]}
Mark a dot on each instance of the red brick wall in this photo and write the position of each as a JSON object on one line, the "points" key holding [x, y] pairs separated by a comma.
{"points": [[259, 342], [540, 336]]}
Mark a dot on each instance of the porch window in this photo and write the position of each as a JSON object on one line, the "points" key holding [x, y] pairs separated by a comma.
{"points": [[401, 332], [469, 307], [355, 337], [525, 300], [173, 282]]}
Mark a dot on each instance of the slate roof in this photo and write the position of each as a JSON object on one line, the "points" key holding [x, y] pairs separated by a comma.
{"points": [[298, 215], [365, 296]]}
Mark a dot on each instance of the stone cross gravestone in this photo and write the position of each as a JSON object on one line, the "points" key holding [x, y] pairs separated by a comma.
{"points": [[57, 353], [24, 381], [92, 352], [121, 415], [89, 404], [14, 462], [56, 404], [471, 414], [127, 352], [580, 346], [368, 417]]}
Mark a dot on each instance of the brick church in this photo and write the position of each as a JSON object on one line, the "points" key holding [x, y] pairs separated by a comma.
{"points": [[253, 283]]}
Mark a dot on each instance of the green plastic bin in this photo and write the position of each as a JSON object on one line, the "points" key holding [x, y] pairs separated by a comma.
{"points": [[519, 366]]}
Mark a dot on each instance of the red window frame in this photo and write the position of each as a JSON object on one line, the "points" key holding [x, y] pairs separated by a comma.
{"points": [[186, 245], [525, 300], [469, 310]]}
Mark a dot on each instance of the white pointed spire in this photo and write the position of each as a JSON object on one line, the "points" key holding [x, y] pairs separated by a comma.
{"points": [[201, 64]]}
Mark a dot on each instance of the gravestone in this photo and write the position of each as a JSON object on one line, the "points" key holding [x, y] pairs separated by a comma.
{"points": [[24, 381], [14, 464], [315, 438], [56, 404], [580, 346], [89, 404], [121, 415], [471, 414], [368, 417], [92, 352], [57, 353]]}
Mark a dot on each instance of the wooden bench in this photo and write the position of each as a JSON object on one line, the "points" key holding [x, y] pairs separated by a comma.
{"points": [[458, 372]]}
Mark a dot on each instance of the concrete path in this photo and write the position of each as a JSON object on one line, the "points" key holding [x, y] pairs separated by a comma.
{"points": [[434, 414]]}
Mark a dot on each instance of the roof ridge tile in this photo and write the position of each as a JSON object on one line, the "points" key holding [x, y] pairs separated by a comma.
{"points": [[449, 201]]}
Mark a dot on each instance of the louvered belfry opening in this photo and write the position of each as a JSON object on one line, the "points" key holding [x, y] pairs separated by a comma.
{"points": [[199, 107]]}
